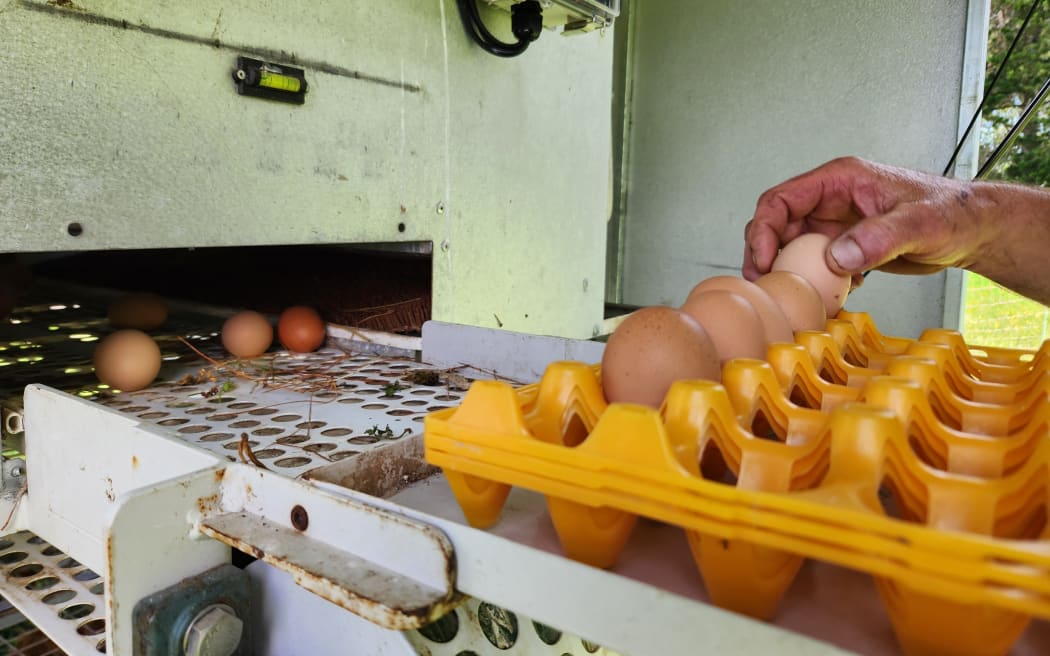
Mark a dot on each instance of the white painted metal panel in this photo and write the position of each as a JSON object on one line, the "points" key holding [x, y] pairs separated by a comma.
{"points": [[151, 544], [136, 133], [732, 98], [83, 457], [501, 353]]}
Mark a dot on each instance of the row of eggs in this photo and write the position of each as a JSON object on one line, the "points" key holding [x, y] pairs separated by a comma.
{"points": [[129, 359], [723, 318]]}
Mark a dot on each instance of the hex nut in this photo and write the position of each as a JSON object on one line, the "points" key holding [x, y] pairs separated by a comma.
{"points": [[216, 631]]}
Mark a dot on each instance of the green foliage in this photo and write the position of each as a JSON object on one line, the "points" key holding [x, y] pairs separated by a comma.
{"points": [[1028, 67], [995, 316]]}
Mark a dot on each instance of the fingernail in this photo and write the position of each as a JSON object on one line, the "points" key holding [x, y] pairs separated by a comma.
{"points": [[847, 254]]}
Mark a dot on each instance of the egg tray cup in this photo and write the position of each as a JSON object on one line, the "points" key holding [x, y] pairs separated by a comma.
{"points": [[757, 401], [826, 379], [959, 435], [861, 343], [966, 548]]}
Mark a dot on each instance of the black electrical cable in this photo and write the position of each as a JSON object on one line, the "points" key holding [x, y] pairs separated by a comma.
{"points": [[1015, 131], [991, 85], [526, 23]]}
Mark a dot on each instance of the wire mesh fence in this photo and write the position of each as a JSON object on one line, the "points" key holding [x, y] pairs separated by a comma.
{"points": [[994, 316]]}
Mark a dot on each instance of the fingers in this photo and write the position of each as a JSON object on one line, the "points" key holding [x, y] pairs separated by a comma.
{"points": [[761, 244], [876, 241], [822, 197]]}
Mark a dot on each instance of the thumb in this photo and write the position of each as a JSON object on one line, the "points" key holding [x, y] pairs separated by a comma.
{"points": [[873, 242]]}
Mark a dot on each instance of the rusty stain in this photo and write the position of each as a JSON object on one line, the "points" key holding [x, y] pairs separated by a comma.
{"points": [[134, 462], [208, 504], [219, 474], [110, 579], [109, 489], [341, 177]]}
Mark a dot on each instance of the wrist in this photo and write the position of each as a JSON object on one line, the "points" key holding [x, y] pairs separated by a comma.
{"points": [[989, 210], [1015, 229]]}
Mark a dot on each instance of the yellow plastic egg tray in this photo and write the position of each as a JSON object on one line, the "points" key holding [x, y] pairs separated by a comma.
{"points": [[924, 463]]}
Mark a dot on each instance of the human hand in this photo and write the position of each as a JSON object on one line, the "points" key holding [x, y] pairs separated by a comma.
{"points": [[877, 216]]}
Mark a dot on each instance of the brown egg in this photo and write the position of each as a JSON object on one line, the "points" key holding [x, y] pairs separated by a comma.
{"points": [[247, 334], [651, 349], [138, 310], [798, 300], [774, 322], [301, 329], [127, 360], [732, 323], [805, 256]]}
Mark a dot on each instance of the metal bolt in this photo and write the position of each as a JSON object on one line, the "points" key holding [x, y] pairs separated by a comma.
{"points": [[216, 631]]}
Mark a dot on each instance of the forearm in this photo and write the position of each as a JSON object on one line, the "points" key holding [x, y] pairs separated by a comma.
{"points": [[1015, 245]]}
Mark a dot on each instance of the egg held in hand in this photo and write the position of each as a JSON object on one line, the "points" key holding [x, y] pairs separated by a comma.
{"points": [[301, 329], [798, 300], [733, 324], [804, 255], [247, 334], [651, 349], [127, 360], [775, 324]]}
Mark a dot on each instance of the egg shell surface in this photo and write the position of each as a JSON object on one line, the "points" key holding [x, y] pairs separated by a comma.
{"points": [[804, 255], [651, 349], [247, 334], [775, 324], [733, 324], [301, 329], [127, 360], [798, 300]]}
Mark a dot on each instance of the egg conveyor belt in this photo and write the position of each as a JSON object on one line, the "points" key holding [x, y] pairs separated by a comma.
{"points": [[924, 463], [299, 413]]}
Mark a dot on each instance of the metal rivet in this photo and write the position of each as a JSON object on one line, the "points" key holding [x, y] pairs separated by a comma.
{"points": [[300, 518]]}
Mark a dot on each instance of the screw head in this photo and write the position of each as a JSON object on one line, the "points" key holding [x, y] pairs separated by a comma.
{"points": [[216, 631]]}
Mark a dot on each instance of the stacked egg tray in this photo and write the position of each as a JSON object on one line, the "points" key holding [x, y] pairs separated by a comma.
{"points": [[925, 463]]}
